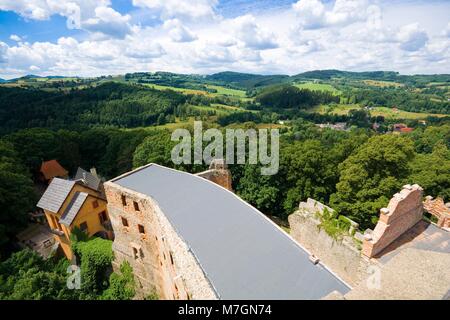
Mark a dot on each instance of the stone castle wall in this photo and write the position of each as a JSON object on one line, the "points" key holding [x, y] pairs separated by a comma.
{"points": [[340, 255], [160, 259], [404, 210]]}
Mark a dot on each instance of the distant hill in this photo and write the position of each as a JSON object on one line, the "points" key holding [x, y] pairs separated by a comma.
{"points": [[108, 104], [3, 80], [372, 75], [247, 80], [329, 74]]}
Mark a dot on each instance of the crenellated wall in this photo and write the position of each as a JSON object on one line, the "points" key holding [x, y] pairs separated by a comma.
{"points": [[404, 210], [342, 256]]}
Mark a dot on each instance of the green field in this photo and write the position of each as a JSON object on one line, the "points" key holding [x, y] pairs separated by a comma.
{"points": [[383, 84], [227, 91], [317, 87], [388, 113], [222, 91]]}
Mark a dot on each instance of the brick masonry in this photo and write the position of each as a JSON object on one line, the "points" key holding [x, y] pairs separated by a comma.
{"points": [[161, 260], [404, 210]]}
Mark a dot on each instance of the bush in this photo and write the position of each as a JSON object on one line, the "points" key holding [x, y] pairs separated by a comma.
{"points": [[96, 256], [121, 286]]}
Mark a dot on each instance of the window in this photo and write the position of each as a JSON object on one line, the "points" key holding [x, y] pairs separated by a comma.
{"points": [[84, 227], [171, 258], [124, 200], [141, 229], [138, 253], [136, 206], [103, 217], [95, 204], [135, 253], [124, 222]]}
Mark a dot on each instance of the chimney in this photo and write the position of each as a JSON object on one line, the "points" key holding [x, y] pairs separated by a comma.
{"points": [[94, 172]]}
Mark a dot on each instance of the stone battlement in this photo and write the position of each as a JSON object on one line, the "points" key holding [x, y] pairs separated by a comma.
{"points": [[403, 211]]}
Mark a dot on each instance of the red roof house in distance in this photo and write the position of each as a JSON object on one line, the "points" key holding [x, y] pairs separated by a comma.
{"points": [[402, 128], [406, 130], [51, 169]]}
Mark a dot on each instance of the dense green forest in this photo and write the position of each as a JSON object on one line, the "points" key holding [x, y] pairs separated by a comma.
{"points": [[119, 123]]}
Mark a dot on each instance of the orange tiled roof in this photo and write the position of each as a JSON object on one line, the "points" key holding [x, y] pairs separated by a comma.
{"points": [[406, 129], [52, 168]]}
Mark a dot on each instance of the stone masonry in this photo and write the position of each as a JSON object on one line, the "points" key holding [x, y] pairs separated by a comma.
{"points": [[438, 209], [161, 260], [218, 173], [340, 255], [404, 210]]}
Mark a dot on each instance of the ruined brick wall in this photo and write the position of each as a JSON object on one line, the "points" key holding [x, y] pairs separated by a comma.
{"points": [[220, 177], [404, 210], [342, 256], [218, 173], [160, 259], [438, 209]]}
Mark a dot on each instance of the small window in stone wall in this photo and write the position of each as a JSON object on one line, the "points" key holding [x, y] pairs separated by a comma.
{"points": [[124, 200], [136, 206], [171, 258], [84, 227], [135, 253], [124, 222], [141, 229]]}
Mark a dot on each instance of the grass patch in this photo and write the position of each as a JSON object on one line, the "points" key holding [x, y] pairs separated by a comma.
{"points": [[227, 91], [318, 87], [388, 113], [383, 84]]}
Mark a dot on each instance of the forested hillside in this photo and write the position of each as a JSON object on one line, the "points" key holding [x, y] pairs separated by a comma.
{"points": [[119, 123], [107, 104]]}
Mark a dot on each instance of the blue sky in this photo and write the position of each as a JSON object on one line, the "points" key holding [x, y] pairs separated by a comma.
{"points": [[91, 38]]}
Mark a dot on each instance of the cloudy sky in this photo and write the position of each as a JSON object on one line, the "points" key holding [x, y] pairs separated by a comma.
{"points": [[91, 38]]}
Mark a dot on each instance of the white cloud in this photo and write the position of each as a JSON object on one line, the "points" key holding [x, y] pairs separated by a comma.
{"points": [[191, 37], [109, 22], [251, 34], [313, 14], [178, 32], [3, 52], [446, 31], [180, 8], [94, 16], [412, 37], [15, 37]]}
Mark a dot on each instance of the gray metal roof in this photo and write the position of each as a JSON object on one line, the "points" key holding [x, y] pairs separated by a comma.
{"points": [[73, 207], [241, 252], [55, 195], [89, 179]]}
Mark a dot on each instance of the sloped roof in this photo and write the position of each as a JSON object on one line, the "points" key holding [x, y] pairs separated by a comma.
{"points": [[51, 169], [90, 180], [55, 195], [73, 208], [242, 253]]}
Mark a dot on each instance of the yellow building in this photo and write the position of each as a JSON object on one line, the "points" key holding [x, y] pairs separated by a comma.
{"points": [[76, 203]]}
